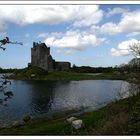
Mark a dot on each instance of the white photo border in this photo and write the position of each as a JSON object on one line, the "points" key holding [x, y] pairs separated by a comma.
{"points": [[67, 2]]}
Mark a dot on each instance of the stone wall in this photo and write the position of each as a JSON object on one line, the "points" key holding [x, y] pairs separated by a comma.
{"points": [[62, 65]]}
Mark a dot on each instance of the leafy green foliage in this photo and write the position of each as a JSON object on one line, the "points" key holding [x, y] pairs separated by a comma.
{"points": [[4, 81], [7, 94], [29, 73]]}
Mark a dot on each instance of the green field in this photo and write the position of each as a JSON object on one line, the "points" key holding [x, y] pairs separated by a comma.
{"points": [[39, 74]]}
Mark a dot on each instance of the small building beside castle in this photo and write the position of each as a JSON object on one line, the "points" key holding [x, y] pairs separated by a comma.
{"points": [[41, 57]]}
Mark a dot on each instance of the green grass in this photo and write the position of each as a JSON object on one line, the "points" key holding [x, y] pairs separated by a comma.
{"points": [[79, 76], [63, 75], [112, 119]]}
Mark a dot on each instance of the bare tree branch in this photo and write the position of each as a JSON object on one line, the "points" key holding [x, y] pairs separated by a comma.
{"points": [[7, 41], [135, 49]]}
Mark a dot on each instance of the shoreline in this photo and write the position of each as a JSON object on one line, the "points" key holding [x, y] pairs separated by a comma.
{"points": [[94, 122], [68, 76]]}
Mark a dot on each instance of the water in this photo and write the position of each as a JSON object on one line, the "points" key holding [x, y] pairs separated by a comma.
{"points": [[37, 98]]}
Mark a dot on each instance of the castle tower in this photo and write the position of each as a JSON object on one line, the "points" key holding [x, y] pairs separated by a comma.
{"points": [[40, 56]]}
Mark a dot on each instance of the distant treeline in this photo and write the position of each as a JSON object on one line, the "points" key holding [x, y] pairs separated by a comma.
{"points": [[88, 69], [10, 70]]}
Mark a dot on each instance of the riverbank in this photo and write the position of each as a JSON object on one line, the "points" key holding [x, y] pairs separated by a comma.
{"points": [[39, 74], [117, 118]]}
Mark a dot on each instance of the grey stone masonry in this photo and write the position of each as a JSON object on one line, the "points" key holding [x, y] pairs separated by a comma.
{"points": [[41, 57]]}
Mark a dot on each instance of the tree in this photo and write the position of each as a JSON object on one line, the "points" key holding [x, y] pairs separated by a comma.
{"points": [[4, 82], [7, 41], [135, 49], [7, 94]]}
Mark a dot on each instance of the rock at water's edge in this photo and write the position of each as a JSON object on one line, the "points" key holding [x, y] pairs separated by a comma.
{"points": [[71, 119], [77, 124], [18, 123]]}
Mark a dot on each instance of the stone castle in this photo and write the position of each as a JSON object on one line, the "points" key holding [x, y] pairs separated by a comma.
{"points": [[41, 57]]}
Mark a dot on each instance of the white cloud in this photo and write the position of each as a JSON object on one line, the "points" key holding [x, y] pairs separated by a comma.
{"points": [[110, 28], [123, 48], [46, 35], [42, 35], [66, 52], [74, 40], [133, 34], [79, 15], [116, 10], [88, 15], [129, 23], [119, 52], [3, 27]]}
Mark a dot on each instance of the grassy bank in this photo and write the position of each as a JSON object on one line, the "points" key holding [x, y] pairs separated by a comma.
{"points": [[118, 118], [81, 76], [39, 74]]}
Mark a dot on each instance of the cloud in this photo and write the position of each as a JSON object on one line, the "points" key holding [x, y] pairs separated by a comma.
{"points": [[123, 48], [66, 52], [3, 27], [42, 35], [110, 28], [46, 35], [116, 10], [133, 34], [78, 15], [129, 23], [88, 15], [74, 40]]}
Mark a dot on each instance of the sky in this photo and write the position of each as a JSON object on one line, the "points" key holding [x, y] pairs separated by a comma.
{"points": [[85, 35]]}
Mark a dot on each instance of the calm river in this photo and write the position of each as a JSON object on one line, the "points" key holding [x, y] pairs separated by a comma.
{"points": [[38, 98]]}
